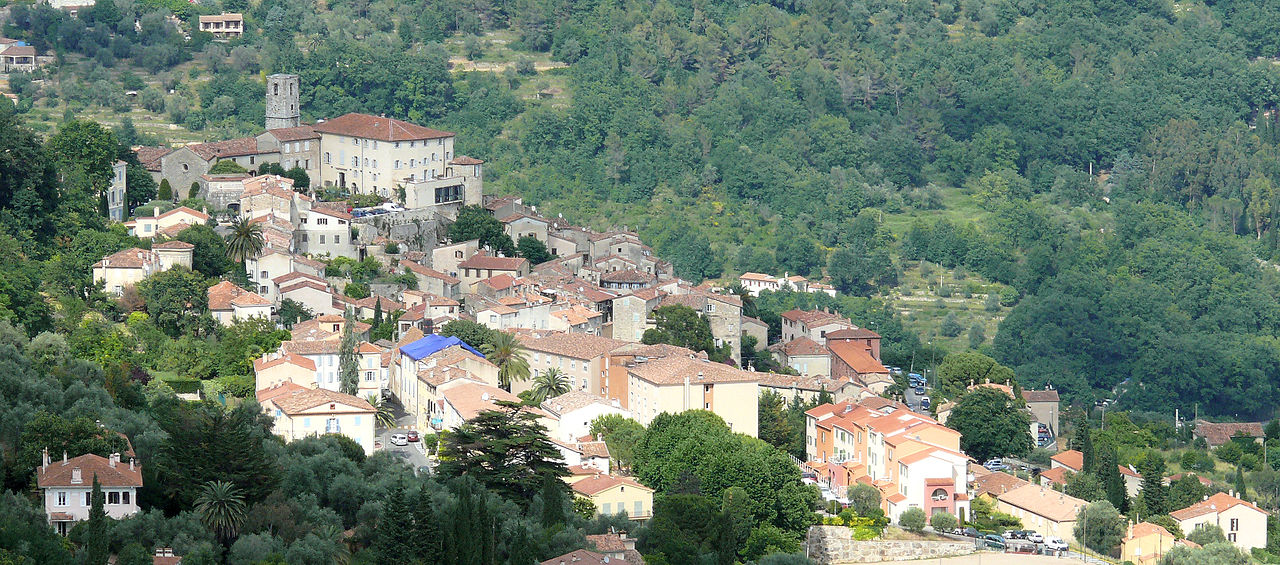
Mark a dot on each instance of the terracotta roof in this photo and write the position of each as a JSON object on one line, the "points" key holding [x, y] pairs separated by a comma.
{"points": [[1145, 529], [1219, 433], [1071, 459], [856, 356], [802, 345], [233, 17], [611, 543], [425, 271], [301, 401], [304, 283], [674, 370], [518, 215], [294, 134], [275, 185], [287, 387], [228, 148], [853, 333], [589, 448], [149, 157], [756, 277], [570, 401], [465, 160], [374, 127], [592, 486], [469, 399], [292, 275], [628, 276], [273, 359], [996, 483], [132, 258], [329, 346], [182, 210], [1216, 503], [496, 203], [172, 245], [583, 557], [501, 281], [809, 317], [1043, 501], [1057, 474], [576, 315], [1179, 476], [1040, 395], [756, 321], [494, 263], [59, 474], [224, 295], [1128, 471], [578, 346]]}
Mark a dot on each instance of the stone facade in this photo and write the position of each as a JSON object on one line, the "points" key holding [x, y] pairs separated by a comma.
{"points": [[282, 101], [835, 544]]}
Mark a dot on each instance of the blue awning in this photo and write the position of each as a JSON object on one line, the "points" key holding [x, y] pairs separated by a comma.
{"points": [[429, 345]]}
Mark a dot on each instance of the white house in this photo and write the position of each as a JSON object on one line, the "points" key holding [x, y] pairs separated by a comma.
{"points": [[229, 304], [129, 267], [577, 409], [67, 486], [1244, 524]]}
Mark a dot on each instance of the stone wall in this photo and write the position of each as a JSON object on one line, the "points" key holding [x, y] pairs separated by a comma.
{"points": [[835, 544]]}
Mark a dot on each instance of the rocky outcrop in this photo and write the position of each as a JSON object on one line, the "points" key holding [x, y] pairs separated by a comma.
{"points": [[835, 544]]}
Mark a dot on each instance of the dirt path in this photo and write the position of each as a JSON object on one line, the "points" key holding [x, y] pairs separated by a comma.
{"points": [[463, 64]]}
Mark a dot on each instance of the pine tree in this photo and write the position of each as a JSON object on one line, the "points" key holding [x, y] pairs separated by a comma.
{"points": [[1155, 494], [96, 550], [393, 540], [348, 363]]}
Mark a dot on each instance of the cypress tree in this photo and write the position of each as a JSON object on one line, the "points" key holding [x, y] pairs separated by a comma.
{"points": [[553, 502], [393, 539], [96, 538], [1155, 494], [427, 533], [1084, 442], [166, 191], [348, 362], [1112, 482], [377, 314], [1239, 484]]}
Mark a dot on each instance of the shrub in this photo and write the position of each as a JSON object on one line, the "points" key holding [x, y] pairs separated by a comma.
{"points": [[943, 522], [912, 520], [393, 248]]}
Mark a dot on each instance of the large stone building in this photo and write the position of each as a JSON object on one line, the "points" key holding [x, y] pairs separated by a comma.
{"points": [[282, 102], [372, 155]]}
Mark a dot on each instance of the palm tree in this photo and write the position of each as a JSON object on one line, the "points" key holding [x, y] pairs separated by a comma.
{"points": [[245, 240], [549, 384], [506, 351], [341, 551], [382, 415], [221, 508]]}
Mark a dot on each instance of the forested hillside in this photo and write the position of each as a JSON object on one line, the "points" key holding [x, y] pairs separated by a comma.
{"points": [[1114, 163]]}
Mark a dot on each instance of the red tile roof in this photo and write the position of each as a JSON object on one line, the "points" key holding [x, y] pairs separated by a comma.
{"points": [[59, 474], [172, 245], [802, 345], [1216, 503], [300, 401], [294, 134], [853, 333], [494, 263], [1219, 433], [132, 258], [628, 276], [224, 295], [1040, 395], [273, 360], [856, 357], [1071, 459], [149, 157], [374, 127], [465, 160], [595, 485], [427, 271], [228, 148]]}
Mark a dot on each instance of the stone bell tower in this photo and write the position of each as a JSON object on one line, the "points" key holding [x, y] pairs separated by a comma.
{"points": [[282, 101]]}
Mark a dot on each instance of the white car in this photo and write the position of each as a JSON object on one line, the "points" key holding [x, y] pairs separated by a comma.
{"points": [[399, 439], [1055, 544], [1035, 537]]}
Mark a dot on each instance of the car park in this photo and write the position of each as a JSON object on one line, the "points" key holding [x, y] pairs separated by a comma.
{"points": [[399, 439], [1055, 544], [1011, 534]]}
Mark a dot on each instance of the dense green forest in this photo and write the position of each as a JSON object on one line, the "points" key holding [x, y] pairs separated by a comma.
{"points": [[1114, 163]]}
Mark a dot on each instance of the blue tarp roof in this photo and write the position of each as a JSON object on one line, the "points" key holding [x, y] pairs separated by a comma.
{"points": [[428, 345]]}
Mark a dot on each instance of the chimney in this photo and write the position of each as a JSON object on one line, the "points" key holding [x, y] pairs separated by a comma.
{"points": [[112, 459], [131, 463], [64, 457], [44, 458]]}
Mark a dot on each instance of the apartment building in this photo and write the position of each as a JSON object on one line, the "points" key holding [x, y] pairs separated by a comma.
{"points": [[583, 358], [371, 155]]}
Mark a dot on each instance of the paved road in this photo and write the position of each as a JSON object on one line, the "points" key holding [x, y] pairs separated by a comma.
{"points": [[990, 558], [414, 453]]}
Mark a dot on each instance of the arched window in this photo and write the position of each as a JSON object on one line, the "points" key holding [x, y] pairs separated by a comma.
{"points": [[939, 494]]}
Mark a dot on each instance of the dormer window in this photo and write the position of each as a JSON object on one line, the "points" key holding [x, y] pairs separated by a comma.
{"points": [[76, 477]]}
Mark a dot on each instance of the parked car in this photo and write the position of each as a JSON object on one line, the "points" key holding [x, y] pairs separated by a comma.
{"points": [[413, 435], [969, 532], [994, 541], [924, 403], [1055, 544], [399, 439], [1035, 537], [1011, 534], [995, 465]]}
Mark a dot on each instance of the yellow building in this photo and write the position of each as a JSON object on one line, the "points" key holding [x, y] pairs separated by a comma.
{"points": [[1044, 510], [613, 494], [275, 369], [678, 383], [1146, 543], [371, 154], [300, 412]]}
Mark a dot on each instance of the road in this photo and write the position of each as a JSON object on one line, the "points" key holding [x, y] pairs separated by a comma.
{"points": [[989, 558], [412, 454]]}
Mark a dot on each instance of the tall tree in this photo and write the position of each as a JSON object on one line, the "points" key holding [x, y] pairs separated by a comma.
{"points": [[97, 539], [991, 424], [428, 535], [1154, 493], [348, 361], [1100, 526], [245, 241], [474, 222], [1084, 443], [393, 539], [506, 351], [549, 384], [1112, 482]]}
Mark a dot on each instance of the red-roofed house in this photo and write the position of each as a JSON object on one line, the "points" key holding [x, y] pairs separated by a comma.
{"points": [[68, 484], [148, 226], [813, 323], [1244, 524], [480, 267], [229, 303], [614, 494]]}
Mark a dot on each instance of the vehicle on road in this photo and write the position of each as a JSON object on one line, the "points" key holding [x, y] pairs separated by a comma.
{"points": [[1055, 544], [1035, 537], [994, 541], [399, 439], [413, 435], [924, 403], [995, 465], [968, 532], [919, 390]]}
